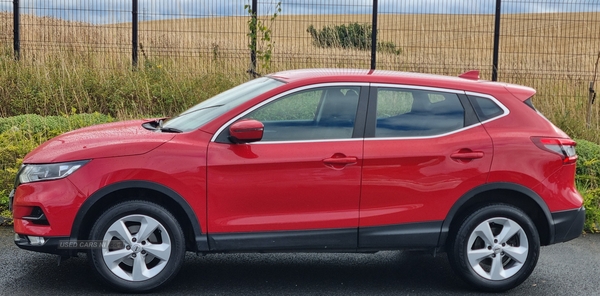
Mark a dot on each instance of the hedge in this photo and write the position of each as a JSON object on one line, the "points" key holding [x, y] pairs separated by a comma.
{"points": [[21, 134]]}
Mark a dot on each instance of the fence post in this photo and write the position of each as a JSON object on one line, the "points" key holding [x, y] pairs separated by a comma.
{"points": [[16, 30], [496, 41], [134, 33], [253, 32], [374, 36]]}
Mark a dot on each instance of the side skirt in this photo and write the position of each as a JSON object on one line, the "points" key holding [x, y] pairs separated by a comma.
{"points": [[401, 236], [309, 240], [389, 237]]}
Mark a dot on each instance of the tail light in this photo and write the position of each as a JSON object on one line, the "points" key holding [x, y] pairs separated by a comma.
{"points": [[565, 148]]}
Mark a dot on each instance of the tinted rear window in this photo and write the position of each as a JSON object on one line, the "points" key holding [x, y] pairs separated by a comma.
{"points": [[417, 113]]}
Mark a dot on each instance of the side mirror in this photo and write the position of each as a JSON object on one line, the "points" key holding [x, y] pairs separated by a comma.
{"points": [[246, 131]]}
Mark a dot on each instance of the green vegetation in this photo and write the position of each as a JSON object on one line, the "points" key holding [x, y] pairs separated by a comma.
{"points": [[588, 173], [353, 35], [55, 86], [21, 134], [588, 163], [259, 30]]}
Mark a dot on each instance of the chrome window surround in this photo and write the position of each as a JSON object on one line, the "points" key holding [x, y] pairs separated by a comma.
{"points": [[398, 86]]}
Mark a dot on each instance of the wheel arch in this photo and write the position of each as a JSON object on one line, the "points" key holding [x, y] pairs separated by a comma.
{"points": [[107, 196], [509, 193]]}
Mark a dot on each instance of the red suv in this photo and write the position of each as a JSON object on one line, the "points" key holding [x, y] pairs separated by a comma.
{"points": [[309, 161]]}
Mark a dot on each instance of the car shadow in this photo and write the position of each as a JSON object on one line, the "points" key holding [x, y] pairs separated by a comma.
{"points": [[392, 272], [398, 272]]}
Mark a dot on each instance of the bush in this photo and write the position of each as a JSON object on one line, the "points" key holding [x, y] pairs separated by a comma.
{"points": [[591, 201], [21, 134], [588, 168], [588, 163], [354, 35]]}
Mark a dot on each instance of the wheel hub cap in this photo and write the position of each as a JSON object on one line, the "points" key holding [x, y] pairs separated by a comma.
{"points": [[136, 248], [497, 248]]}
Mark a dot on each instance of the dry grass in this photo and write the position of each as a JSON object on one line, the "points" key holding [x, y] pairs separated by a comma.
{"points": [[554, 53]]}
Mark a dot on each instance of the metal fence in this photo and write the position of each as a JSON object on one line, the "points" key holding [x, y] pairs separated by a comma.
{"points": [[530, 42]]}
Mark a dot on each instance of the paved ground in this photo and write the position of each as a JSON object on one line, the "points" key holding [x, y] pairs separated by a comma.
{"points": [[571, 268]]}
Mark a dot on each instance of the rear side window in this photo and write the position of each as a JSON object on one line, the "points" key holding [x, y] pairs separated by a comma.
{"points": [[485, 108], [417, 113]]}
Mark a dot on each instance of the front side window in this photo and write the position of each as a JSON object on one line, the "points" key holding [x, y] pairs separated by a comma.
{"points": [[417, 113], [314, 114]]}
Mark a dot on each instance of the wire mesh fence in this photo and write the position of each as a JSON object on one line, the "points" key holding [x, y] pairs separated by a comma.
{"points": [[64, 30], [438, 38], [203, 35], [540, 42], [554, 50], [318, 34], [6, 24]]}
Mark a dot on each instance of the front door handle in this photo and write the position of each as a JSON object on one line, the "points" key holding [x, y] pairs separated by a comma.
{"points": [[339, 161]]}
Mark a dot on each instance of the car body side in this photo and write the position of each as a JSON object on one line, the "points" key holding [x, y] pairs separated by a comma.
{"points": [[174, 173]]}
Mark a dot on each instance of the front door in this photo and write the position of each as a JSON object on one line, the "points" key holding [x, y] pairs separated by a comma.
{"points": [[298, 187]]}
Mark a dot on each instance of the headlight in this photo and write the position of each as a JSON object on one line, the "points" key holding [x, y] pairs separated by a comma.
{"points": [[44, 172]]}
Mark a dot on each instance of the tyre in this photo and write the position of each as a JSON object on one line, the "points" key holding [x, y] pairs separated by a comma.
{"points": [[495, 248], [142, 249]]}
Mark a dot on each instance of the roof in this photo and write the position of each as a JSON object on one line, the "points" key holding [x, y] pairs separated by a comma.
{"points": [[396, 77]]}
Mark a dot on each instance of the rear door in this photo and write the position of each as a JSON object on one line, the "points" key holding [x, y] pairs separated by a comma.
{"points": [[424, 149]]}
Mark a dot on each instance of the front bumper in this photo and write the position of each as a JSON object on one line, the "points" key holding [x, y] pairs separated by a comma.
{"points": [[568, 225], [46, 209], [44, 245]]}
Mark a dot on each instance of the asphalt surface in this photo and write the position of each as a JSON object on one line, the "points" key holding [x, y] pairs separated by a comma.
{"points": [[571, 268]]}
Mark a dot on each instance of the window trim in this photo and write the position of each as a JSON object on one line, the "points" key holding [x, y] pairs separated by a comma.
{"points": [[288, 92]]}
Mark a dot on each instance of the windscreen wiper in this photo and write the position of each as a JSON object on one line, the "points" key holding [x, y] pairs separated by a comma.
{"points": [[170, 130]]}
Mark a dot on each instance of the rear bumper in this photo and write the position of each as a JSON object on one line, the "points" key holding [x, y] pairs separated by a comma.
{"points": [[568, 224]]}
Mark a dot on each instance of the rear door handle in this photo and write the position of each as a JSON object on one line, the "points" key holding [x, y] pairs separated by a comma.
{"points": [[467, 155]]}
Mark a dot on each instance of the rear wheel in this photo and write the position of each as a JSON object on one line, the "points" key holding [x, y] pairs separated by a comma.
{"points": [[142, 246], [495, 248]]}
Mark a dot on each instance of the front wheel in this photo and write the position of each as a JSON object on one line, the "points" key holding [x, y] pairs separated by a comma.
{"points": [[495, 248], [142, 246]]}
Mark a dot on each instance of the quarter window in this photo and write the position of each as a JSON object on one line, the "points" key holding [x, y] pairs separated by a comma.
{"points": [[485, 108], [417, 113]]}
